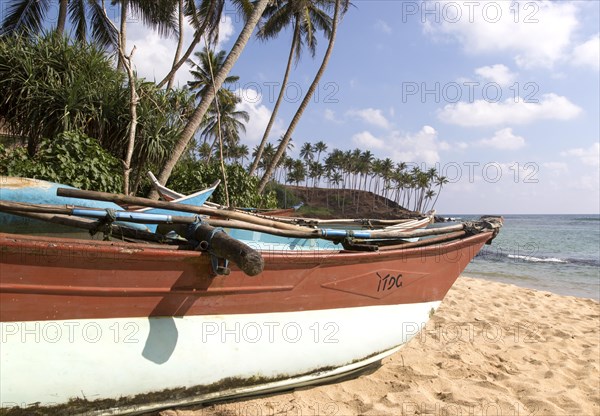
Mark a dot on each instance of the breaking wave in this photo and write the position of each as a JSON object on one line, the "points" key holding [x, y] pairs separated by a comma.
{"points": [[537, 259]]}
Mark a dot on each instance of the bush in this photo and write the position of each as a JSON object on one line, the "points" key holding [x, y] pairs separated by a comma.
{"points": [[191, 175], [71, 158], [285, 198]]}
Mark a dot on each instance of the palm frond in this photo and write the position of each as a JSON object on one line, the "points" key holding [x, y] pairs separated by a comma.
{"points": [[158, 14], [77, 18], [104, 31], [209, 13], [25, 16]]}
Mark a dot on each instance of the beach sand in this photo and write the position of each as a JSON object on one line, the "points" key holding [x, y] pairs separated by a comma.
{"points": [[490, 349]]}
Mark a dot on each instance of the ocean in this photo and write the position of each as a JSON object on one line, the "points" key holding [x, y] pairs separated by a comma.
{"points": [[555, 253]]}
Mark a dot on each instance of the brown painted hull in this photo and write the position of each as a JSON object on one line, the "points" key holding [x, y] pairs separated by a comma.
{"points": [[43, 278], [129, 328]]}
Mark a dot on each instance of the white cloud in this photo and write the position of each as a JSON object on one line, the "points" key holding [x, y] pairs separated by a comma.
{"points": [[486, 113], [383, 27], [372, 116], [259, 116], [498, 73], [589, 156], [330, 115], [422, 146], [154, 54], [535, 33], [588, 53], [365, 140], [504, 140]]}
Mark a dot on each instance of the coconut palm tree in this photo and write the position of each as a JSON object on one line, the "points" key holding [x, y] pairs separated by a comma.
{"points": [[28, 17], [219, 77], [204, 17], [298, 173], [224, 121], [203, 72], [306, 153], [267, 155], [320, 147], [339, 8], [222, 118], [440, 181], [87, 17], [306, 17], [387, 166], [158, 15]]}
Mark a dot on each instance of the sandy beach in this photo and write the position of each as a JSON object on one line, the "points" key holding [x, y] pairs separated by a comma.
{"points": [[490, 349]]}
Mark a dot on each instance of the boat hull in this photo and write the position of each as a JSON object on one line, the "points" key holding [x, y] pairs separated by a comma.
{"points": [[110, 358], [118, 321]]}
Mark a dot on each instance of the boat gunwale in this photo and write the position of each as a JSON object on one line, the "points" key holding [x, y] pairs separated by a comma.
{"points": [[171, 253]]}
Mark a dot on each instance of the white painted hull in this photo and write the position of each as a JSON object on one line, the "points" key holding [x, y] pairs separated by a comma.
{"points": [[51, 362]]}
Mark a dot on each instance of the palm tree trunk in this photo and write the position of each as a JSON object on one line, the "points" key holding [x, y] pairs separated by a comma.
{"points": [[436, 196], [176, 65], [179, 44], [133, 101], [265, 137], [123, 34], [62, 17], [196, 118], [304, 104]]}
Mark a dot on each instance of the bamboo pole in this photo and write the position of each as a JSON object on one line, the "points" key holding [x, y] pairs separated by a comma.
{"points": [[202, 210], [217, 243], [90, 225], [298, 231]]}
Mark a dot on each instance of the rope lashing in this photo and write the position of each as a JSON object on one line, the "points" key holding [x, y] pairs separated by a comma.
{"points": [[104, 225]]}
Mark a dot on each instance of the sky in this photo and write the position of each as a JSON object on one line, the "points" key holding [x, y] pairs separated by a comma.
{"points": [[502, 97]]}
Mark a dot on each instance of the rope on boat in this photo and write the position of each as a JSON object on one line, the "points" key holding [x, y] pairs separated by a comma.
{"points": [[484, 224], [104, 225]]}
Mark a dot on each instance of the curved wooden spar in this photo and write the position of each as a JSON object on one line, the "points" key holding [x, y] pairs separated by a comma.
{"points": [[202, 210], [298, 231], [215, 241]]}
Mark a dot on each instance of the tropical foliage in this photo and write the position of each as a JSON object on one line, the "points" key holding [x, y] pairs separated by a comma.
{"points": [[27, 17], [339, 8], [71, 158], [50, 86], [306, 17], [223, 121], [57, 93], [192, 175], [349, 170]]}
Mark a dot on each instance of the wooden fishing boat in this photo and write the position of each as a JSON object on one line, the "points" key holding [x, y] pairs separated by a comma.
{"points": [[98, 327], [171, 195], [38, 191], [266, 241]]}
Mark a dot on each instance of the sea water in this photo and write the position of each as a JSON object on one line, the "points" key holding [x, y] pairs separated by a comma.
{"points": [[555, 253]]}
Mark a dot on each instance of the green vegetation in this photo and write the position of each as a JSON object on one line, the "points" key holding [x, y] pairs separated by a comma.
{"points": [[193, 175], [285, 198], [71, 158], [349, 170], [61, 95]]}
